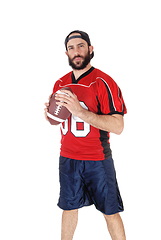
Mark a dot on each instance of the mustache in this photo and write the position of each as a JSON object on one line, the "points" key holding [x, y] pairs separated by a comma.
{"points": [[76, 57]]}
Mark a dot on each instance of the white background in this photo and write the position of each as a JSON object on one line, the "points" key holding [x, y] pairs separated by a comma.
{"points": [[127, 44]]}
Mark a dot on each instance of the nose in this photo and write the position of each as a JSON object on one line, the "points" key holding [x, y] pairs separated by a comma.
{"points": [[76, 51]]}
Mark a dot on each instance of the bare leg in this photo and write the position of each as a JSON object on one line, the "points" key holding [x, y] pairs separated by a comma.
{"points": [[69, 223], [115, 226]]}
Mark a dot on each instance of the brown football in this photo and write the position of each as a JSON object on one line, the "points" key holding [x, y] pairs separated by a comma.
{"points": [[56, 113]]}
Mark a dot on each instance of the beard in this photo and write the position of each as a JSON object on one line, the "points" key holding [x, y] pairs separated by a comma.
{"points": [[80, 65]]}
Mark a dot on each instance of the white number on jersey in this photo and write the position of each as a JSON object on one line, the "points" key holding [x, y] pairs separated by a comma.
{"points": [[75, 121]]}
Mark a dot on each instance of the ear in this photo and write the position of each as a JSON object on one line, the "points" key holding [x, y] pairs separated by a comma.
{"points": [[91, 49], [66, 53]]}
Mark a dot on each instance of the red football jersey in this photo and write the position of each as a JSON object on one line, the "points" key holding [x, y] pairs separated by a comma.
{"points": [[98, 93]]}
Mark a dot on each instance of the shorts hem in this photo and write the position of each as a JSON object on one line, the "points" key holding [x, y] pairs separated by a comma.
{"points": [[110, 213], [74, 208], [104, 212]]}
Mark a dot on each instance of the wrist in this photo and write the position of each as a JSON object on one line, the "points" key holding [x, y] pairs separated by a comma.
{"points": [[82, 113]]}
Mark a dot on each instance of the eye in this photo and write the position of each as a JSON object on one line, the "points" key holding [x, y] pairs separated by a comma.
{"points": [[70, 48]]}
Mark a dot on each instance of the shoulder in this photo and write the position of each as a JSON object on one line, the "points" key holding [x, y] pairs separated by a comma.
{"points": [[103, 80], [65, 77], [109, 93], [103, 76], [62, 81]]}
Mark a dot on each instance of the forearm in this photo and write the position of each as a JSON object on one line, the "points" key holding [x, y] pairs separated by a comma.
{"points": [[110, 123]]}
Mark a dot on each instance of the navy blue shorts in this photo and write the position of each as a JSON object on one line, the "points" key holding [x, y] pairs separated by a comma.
{"points": [[83, 183]]}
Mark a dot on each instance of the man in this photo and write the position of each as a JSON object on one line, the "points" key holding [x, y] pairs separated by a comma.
{"points": [[87, 173]]}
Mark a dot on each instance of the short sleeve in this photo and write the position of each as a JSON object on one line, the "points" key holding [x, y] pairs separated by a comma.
{"points": [[110, 97], [56, 86]]}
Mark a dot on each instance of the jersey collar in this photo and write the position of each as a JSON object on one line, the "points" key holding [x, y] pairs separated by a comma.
{"points": [[82, 76]]}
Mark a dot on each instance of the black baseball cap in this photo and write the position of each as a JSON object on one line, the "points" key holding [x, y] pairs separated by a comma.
{"points": [[82, 35]]}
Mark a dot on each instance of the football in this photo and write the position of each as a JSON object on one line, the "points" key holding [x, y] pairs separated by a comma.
{"points": [[57, 113]]}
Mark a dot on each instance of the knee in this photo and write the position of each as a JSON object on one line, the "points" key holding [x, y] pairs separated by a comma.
{"points": [[112, 217]]}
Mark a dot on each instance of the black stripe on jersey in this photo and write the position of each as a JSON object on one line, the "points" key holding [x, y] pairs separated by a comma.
{"points": [[123, 106], [104, 137], [98, 107], [111, 103], [122, 113]]}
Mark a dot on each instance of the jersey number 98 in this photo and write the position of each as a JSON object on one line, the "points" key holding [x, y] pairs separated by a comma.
{"points": [[79, 128]]}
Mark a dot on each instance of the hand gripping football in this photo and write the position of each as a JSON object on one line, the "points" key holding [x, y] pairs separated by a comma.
{"points": [[57, 113]]}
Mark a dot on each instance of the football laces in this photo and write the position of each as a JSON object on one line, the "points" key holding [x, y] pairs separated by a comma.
{"points": [[57, 110]]}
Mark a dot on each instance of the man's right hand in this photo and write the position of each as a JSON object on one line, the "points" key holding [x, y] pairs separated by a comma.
{"points": [[46, 109]]}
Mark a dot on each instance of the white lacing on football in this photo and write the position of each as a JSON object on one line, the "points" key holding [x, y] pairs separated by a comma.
{"points": [[57, 109]]}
